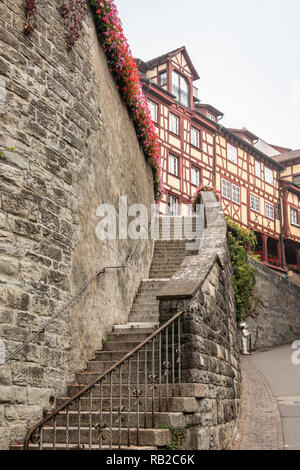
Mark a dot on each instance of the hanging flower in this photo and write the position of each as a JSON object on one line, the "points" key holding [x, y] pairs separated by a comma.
{"points": [[196, 197], [125, 72]]}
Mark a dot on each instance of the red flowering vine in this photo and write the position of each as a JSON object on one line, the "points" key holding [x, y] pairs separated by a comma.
{"points": [[73, 13], [30, 13], [196, 197], [124, 70]]}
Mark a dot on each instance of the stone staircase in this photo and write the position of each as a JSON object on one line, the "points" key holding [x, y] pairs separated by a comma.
{"points": [[171, 411]]}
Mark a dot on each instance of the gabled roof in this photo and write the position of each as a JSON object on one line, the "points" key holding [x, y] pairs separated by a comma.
{"points": [[245, 131], [159, 60], [209, 107], [288, 156]]}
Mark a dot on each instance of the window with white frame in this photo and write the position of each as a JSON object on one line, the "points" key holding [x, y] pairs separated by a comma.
{"points": [[163, 78], [195, 137], [269, 176], [174, 124], [236, 194], [212, 117], [153, 110], [180, 88], [173, 165], [294, 217], [269, 211], [173, 205], [195, 176], [257, 169], [226, 189], [232, 153], [254, 203]]}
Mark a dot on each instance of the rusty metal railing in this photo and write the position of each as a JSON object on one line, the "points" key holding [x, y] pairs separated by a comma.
{"points": [[112, 410]]}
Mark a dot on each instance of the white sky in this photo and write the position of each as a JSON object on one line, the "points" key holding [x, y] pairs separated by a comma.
{"points": [[247, 54]]}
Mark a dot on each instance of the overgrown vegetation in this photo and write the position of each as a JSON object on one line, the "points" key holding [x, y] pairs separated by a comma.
{"points": [[240, 240], [178, 434]]}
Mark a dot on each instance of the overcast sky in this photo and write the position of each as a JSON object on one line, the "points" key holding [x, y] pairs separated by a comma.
{"points": [[247, 54]]}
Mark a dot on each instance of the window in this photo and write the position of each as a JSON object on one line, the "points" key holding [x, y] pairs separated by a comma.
{"points": [[174, 124], [232, 153], [254, 203], [236, 194], [297, 180], [180, 88], [226, 190], [163, 78], [173, 205], [153, 110], [257, 169], [269, 211], [294, 217], [211, 116], [195, 176], [195, 137], [269, 177], [173, 165]]}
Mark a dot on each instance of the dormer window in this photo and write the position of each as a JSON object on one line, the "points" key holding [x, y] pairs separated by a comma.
{"points": [[212, 117], [180, 88], [163, 78]]}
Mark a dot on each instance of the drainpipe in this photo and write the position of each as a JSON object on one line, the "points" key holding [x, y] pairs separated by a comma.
{"points": [[281, 225]]}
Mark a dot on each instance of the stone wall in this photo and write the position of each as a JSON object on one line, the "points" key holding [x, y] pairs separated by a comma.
{"points": [[278, 321], [72, 147], [203, 289]]}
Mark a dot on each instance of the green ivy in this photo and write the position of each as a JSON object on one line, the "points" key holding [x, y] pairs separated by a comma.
{"points": [[239, 239], [178, 435]]}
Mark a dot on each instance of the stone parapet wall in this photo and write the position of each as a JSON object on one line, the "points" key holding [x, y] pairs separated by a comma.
{"points": [[203, 289], [67, 145]]}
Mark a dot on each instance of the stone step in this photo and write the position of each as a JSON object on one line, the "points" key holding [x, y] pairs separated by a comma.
{"points": [[117, 345], [86, 378], [154, 274], [133, 336], [147, 300], [147, 437], [145, 419], [140, 316], [142, 327], [118, 354], [176, 390], [49, 446], [171, 404], [104, 365]]}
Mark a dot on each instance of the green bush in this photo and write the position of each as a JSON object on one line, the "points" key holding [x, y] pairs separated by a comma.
{"points": [[239, 239]]}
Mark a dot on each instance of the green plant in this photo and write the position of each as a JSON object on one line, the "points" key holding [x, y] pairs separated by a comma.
{"points": [[178, 435], [239, 239], [107, 340]]}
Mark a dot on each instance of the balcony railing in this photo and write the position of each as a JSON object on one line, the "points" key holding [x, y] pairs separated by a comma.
{"points": [[181, 96]]}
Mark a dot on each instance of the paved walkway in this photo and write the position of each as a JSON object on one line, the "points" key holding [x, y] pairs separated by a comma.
{"points": [[270, 418]]}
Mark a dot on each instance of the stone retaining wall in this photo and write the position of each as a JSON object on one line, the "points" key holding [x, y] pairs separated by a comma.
{"points": [[72, 146], [278, 322]]}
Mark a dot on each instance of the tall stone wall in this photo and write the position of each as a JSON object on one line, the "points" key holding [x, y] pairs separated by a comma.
{"points": [[72, 147], [203, 289], [278, 319]]}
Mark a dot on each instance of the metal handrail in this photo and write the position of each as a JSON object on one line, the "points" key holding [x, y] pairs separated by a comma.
{"points": [[108, 374], [70, 302]]}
